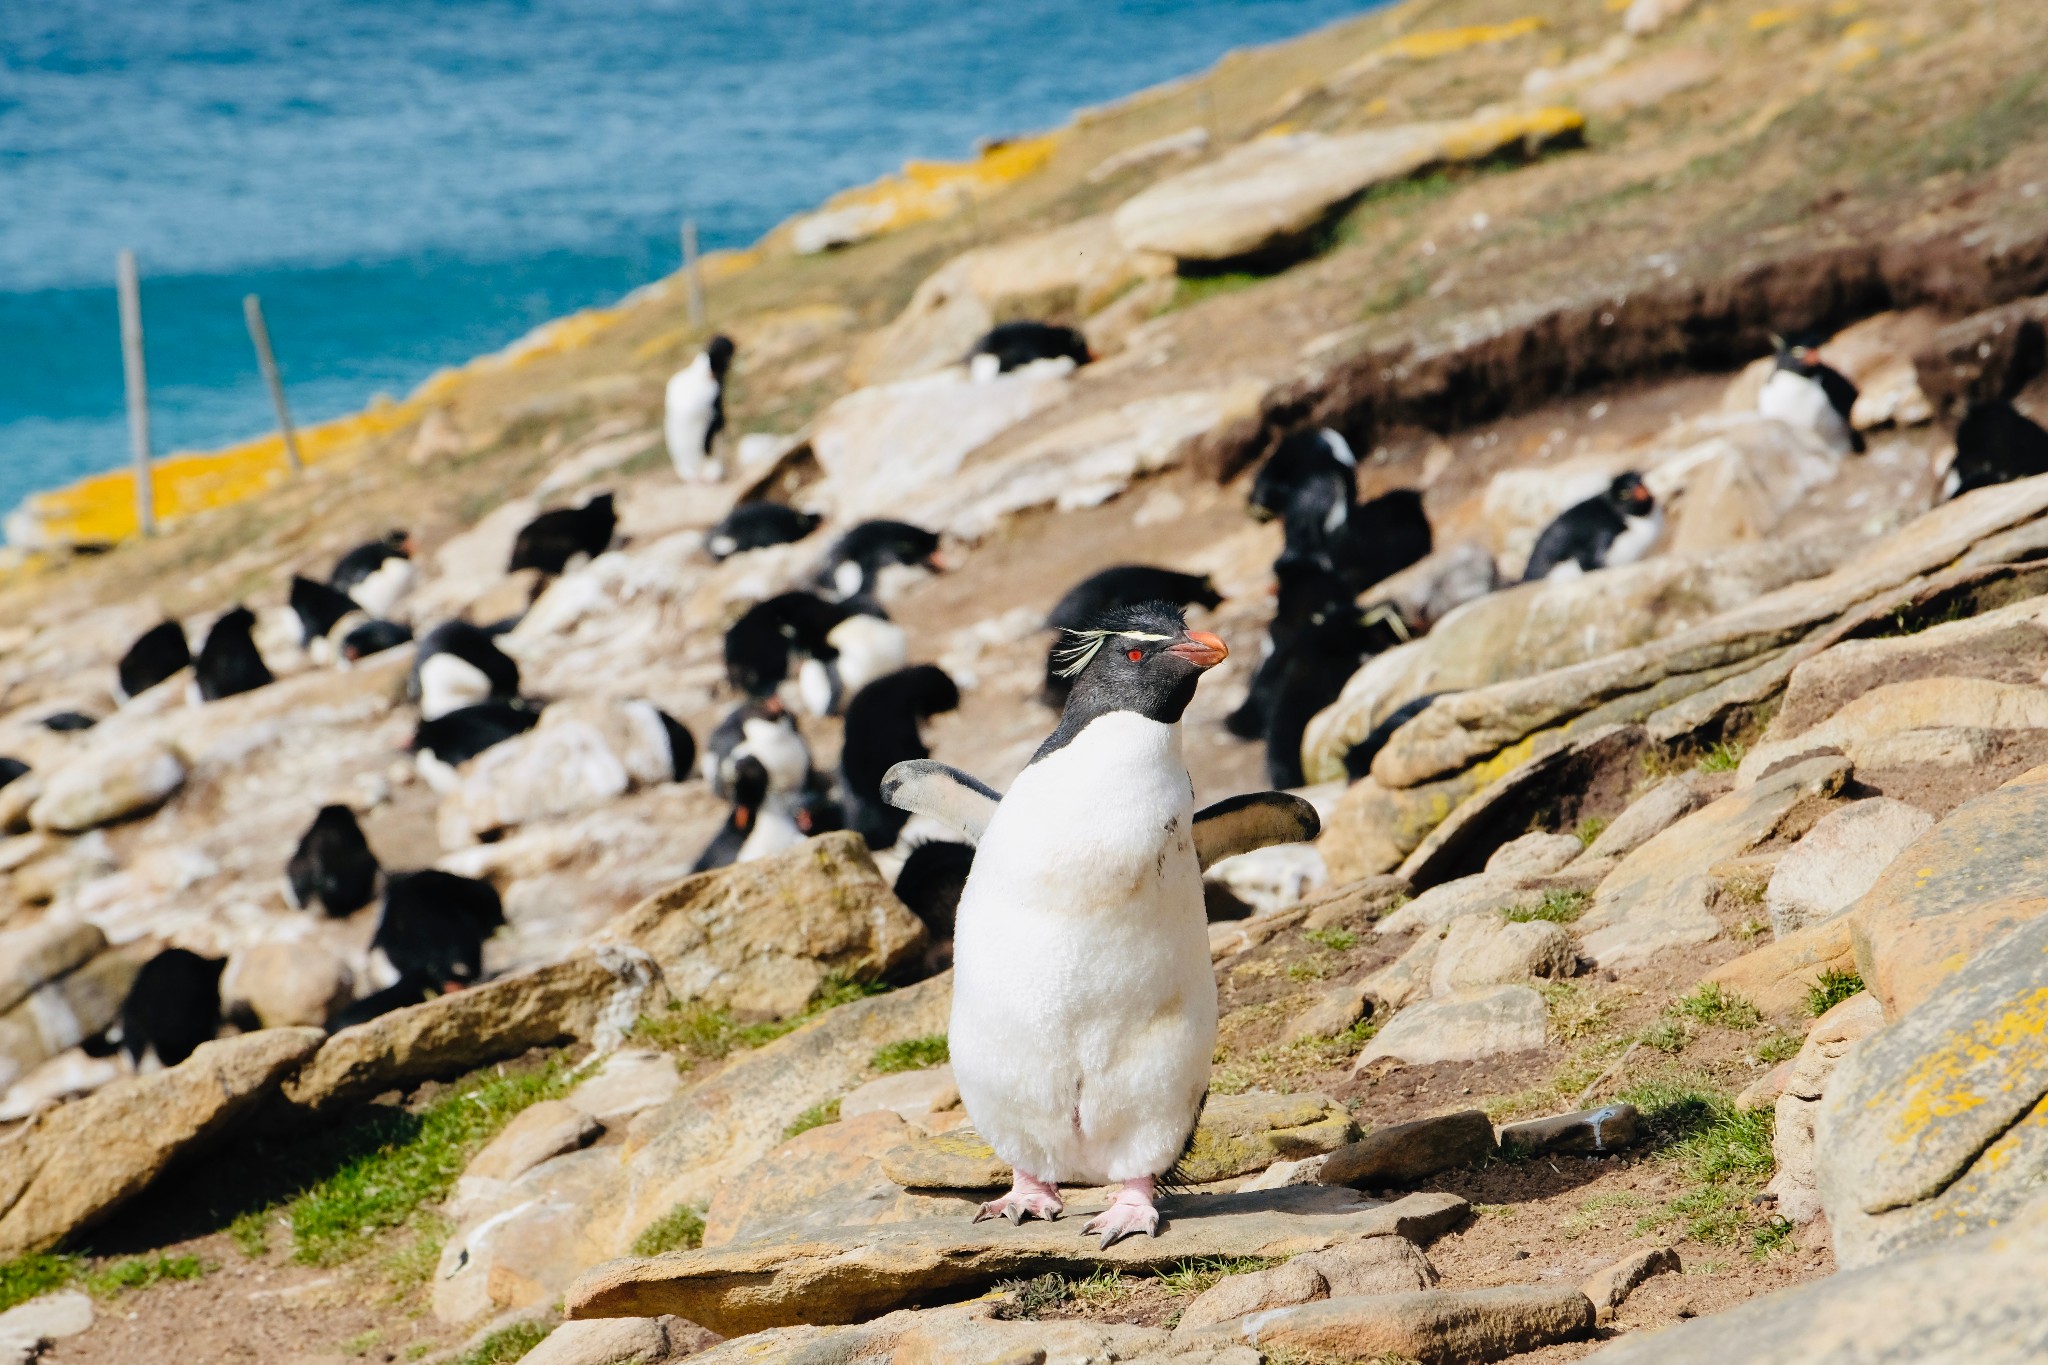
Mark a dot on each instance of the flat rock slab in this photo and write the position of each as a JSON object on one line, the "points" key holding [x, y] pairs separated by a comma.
{"points": [[1587, 1132], [1442, 1325], [1467, 1026], [1776, 977], [1938, 1125], [836, 1280], [1411, 1151]]}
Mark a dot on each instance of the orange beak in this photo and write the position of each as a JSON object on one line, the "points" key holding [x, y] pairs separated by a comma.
{"points": [[1201, 649]]}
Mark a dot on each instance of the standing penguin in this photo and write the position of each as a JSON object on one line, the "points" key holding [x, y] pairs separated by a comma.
{"points": [[377, 576], [1013, 345], [156, 654], [882, 731], [1615, 527], [695, 412], [1806, 392], [567, 537], [1125, 585], [333, 867], [228, 661], [1084, 1006]]}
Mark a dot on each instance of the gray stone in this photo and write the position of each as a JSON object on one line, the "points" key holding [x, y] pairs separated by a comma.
{"points": [[1535, 854], [60, 1014], [914, 1095], [1405, 980], [1585, 1132], [538, 1133], [1411, 1151], [1447, 1325], [1474, 895], [1649, 815], [1938, 1126], [1610, 1286], [607, 1341], [1372, 1265], [522, 1247], [1839, 859], [1870, 728], [1480, 950], [822, 1183], [1465, 1026], [28, 1329], [42, 952], [107, 783], [1334, 1009], [625, 1083], [970, 1332]]}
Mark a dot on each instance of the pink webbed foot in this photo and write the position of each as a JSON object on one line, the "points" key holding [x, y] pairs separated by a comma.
{"points": [[1130, 1212], [1029, 1197]]}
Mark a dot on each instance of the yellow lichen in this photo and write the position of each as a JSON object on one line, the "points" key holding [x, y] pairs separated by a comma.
{"points": [[1962, 1073], [1443, 42]]}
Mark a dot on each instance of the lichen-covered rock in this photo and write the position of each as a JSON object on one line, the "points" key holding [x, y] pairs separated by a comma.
{"points": [[1805, 1082], [820, 1181]]}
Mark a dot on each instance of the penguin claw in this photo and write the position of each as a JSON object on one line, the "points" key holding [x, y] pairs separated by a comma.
{"points": [[1029, 1197], [1131, 1212]]}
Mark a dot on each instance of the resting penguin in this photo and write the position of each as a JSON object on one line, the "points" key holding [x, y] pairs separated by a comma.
{"points": [[856, 560], [1013, 345], [67, 722], [171, 1008], [1125, 585], [757, 525], [333, 867], [377, 576], [882, 731], [1996, 443], [228, 662], [568, 537], [429, 941], [372, 637], [157, 653], [695, 412], [1084, 1007], [759, 729], [460, 665], [1615, 527], [842, 649], [443, 744], [1805, 392]]}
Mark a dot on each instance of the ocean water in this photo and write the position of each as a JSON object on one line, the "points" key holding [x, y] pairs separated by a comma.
{"points": [[409, 183]]}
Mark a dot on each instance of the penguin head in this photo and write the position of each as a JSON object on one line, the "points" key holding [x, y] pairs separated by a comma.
{"points": [[234, 623], [1799, 354], [1630, 495], [1304, 458], [1142, 658], [600, 506], [337, 820], [719, 352], [400, 540], [749, 790]]}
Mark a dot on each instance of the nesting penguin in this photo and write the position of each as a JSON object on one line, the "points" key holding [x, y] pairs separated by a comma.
{"points": [[853, 567], [378, 575], [1311, 485], [157, 654], [757, 525], [1806, 392], [1084, 1006], [228, 662], [1614, 527], [1125, 585], [694, 412], [460, 665], [841, 649], [445, 742], [1013, 345], [568, 537], [67, 722], [11, 768], [881, 731], [1995, 443], [172, 1006], [333, 868], [429, 940], [763, 730], [372, 637]]}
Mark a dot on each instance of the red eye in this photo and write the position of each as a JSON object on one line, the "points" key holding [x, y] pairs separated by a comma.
{"points": [[1134, 654]]}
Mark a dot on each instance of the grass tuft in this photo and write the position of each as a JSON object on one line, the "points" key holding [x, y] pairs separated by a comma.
{"points": [[680, 1229], [1830, 989], [1723, 1152], [1724, 757], [1558, 907], [1590, 829], [1711, 1003], [28, 1277], [1778, 1047], [1191, 1277], [506, 1345], [913, 1054], [817, 1116], [140, 1272], [710, 1033], [1336, 940]]}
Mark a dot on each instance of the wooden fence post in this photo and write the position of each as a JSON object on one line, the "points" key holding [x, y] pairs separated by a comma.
{"points": [[693, 271], [259, 334], [129, 288]]}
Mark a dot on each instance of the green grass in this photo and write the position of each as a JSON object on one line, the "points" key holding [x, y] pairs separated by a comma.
{"points": [[1830, 989], [1778, 1047], [1336, 940], [1713, 1004], [1722, 1152], [1191, 1277], [1724, 757], [1558, 907], [1590, 829], [680, 1229], [28, 1277], [817, 1116], [140, 1272], [505, 1345], [251, 1232], [32, 1276], [1667, 1035], [1190, 290], [710, 1032], [913, 1054]]}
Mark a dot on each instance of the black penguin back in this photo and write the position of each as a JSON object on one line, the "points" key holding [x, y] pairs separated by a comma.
{"points": [[882, 730], [229, 663], [364, 560], [475, 646], [1382, 537], [682, 747], [1318, 663], [157, 654], [11, 768], [757, 525], [1016, 344], [1358, 758], [333, 867], [1997, 443], [467, 731], [318, 607], [434, 926], [172, 1007], [373, 637], [552, 539]]}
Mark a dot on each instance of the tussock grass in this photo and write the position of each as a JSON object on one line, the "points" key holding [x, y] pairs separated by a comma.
{"points": [[1558, 907], [507, 1344], [1336, 940], [709, 1033], [32, 1276], [1192, 1276], [1830, 989], [817, 1116], [1724, 757], [680, 1229], [140, 1272], [1711, 1003], [912, 1054], [1778, 1047], [1723, 1153], [1590, 829]]}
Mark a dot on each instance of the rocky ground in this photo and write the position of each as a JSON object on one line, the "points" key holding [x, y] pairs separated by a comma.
{"points": [[1681, 969]]}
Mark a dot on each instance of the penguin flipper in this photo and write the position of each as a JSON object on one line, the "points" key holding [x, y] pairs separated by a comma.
{"points": [[1254, 820], [924, 787]]}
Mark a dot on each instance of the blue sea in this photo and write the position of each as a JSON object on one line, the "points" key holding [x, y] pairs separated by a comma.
{"points": [[409, 183]]}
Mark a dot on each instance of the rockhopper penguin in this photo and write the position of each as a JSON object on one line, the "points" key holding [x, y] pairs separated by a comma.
{"points": [[1615, 527], [1806, 392], [1084, 1007], [694, 412]]}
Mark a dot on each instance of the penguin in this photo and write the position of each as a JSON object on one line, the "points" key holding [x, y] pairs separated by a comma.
{"points": [[67, 722], [1995, 443], [1013, 345], [1381, 537], [568, 537], [333, 868], [1807, 393], [444, 743], [1311, 485], [1084, 1005], [1312, 670], [756, 525], [1309, 593], [1126, 585], [321, 609], [761, 823], [372, 637], [1358, 758], [430, 936], [881, 731], [1615, 527], [682, 745], [11, 768], [856, 560], [695, 412], [854, 653], [377, 576], [460, 665], [172, 1007], [228, 662], [157, 654], [929, 884], [842, 649], [762, 730]]}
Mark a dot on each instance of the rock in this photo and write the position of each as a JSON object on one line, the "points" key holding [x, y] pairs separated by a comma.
{"points": [[1449, 1325], [28, 1329], [761, 937], [69, 1167], [821, 1181], [41, 953], [66, 1076], [1482, 893], [1657, 898], [1649, 815], [1480, 950], [1271, 879], [604, 1341], [1265, 195], [1795, 1183], [627, 1082], [287, 984], [968, 1332], [1644, 17], [1535, 854], [1979, 358], [956, 1159], [1609, 1287], [1586, 1132], [1372, 1265], [1413, 1151], [1405, 980], [1763, 1092], [1438, 584], [1935, 1127], [910, 1095], [522, 1247], [1186, 142], [1649, 82], [1776, 977], [1281, 1174], [1740, 482], [1957, 888], [1335, 1009], [106, 784], [1465, 1026], [63, 1013], [1975, 1298], [1895, 709], [592, 996], [537, 1133], [826, 1280], [1839, 859], [583, 754], [1354, 902]]}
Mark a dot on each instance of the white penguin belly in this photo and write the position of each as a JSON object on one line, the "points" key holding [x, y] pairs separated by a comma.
{"points": [[386, 586], [1638, 535], [1801, 402], [1084, 1008], [687, 422], [448, 683]]}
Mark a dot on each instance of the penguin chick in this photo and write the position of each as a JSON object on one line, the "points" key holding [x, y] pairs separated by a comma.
{"points": [[1615, 527], [1805, 392], [332, 868], [881, 731], [444, 743], [172, 1007], [1995, 443], [459, 665], [857, 558], [377, 576], [694, 412], [1013, 345], [757, 525], [158, 653], [1125, 585], [553, 542], [228, 662]]}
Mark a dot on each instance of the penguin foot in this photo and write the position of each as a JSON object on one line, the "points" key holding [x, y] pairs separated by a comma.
{"points": [[1029, 1197], [1130, 1212]]}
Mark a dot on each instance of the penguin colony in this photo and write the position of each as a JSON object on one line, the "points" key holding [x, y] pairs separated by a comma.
{"points": [[1071, 906]]}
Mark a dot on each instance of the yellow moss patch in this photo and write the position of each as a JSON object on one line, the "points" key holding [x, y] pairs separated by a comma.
{"points": [[1483, 137], [1995, 1054], [1443, 42], [1765, 20]]}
